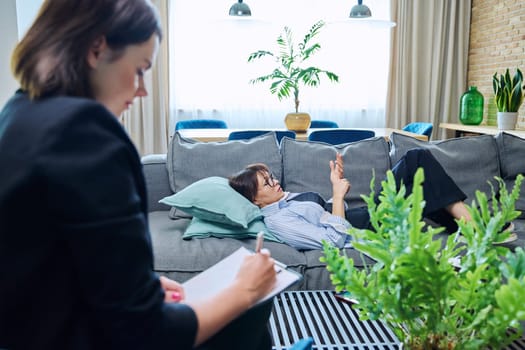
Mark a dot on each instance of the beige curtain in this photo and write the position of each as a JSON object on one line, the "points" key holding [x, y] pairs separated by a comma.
{"points": [[428, 63], [148, 119]]}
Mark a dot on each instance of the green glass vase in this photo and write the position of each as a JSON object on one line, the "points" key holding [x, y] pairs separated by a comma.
{"points": [[471, 107]]}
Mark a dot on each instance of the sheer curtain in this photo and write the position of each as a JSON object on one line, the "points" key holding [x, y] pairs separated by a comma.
{"points": [[147, 121], [429, 61], [209, 72]]}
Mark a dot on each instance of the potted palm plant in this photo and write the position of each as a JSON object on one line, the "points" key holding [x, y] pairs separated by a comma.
{"points": [[436, 295], [290, 72], [508, 97]]}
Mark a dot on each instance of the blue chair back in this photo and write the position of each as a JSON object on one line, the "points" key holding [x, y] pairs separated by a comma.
{"points": [[201, 124], [323, 124], [420, 128], [338, 136], [248, 134]]}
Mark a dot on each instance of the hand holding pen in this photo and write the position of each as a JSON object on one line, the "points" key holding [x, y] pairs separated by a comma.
{"points": [[259, 242], [259, 249], [257, 273]]}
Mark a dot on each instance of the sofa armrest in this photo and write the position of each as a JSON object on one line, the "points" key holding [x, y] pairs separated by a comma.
{"points": [[157, 181]]}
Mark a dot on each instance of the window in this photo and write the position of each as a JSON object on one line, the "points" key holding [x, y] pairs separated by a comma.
{"points": [[209, 72]]}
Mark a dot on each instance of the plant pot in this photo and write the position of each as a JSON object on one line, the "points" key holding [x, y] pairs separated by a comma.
{"points": [[299, 122], [507, 120]]}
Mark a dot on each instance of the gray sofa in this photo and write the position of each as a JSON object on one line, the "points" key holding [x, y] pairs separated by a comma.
{"points": [[303, 166]]}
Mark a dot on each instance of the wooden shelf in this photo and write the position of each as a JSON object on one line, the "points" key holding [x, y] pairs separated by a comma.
{"points": [[461, 129]]}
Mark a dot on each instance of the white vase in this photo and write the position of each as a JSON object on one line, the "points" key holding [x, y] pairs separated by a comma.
{"points": [[507, 120]]}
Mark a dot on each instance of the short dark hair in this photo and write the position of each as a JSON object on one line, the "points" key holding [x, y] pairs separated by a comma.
{"points": [[51, 59], [245, 181]]}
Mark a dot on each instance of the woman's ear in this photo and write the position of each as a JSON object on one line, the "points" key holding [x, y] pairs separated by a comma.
{"points": [[257, 203], [95, 51]]}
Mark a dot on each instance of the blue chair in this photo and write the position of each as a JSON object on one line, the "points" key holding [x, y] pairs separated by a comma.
{"points": [[323, 124], [338, 136], [248, 134], [201, 124], [420, 128]]}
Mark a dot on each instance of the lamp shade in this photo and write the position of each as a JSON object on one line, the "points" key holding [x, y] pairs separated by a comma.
{"points": [[360, 10], [240, 9]]}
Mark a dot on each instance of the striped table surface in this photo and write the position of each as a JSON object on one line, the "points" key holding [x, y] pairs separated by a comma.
{"points": [[332, 324]]}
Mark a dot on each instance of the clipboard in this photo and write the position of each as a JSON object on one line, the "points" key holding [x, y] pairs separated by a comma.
{"points": [[212, 280]]}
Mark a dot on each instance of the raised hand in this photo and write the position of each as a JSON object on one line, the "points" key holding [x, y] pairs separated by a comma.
{"points": [[340, 185], [337, 168]]}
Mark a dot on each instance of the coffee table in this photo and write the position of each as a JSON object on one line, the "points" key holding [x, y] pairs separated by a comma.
{"points": [[332, 324]]}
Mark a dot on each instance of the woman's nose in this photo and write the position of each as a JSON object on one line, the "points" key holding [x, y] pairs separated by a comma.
{"points": [[141, 89]]}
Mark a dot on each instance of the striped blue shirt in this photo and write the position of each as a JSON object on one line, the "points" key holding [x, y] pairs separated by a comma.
{"points": [[303, 225]]}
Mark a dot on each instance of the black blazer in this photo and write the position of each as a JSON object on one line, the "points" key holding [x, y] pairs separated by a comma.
{"points": [[76, 262]]}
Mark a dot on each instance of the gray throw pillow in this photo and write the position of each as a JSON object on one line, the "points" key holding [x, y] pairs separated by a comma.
{"points": [[306, 166], [189, 160], [470, 161], [511, 150]]}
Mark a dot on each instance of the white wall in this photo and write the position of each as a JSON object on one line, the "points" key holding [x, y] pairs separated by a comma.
{"points": [[9, 30], [26, 11], [15, 17]]}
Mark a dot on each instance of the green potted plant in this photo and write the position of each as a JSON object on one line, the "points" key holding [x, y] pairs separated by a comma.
{"points": [[290, 73], [428, 301], [508, 95]]}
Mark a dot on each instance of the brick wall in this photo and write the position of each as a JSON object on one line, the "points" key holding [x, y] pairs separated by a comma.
{"points": [[497, 42]]}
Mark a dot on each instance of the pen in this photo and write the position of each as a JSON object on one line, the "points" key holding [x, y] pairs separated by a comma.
{"points": [[259, 242]]}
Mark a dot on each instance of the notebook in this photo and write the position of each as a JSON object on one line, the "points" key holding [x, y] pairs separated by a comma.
{"points": [[209, 282]]}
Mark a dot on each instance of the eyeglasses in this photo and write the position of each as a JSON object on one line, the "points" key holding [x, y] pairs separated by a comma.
{"points": [[270, 180]]}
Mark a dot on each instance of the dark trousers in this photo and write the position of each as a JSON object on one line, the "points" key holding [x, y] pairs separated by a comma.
{"points": [[439, 190], [248, 331]]}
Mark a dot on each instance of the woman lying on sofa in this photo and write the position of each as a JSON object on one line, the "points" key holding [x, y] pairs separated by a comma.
{"points": [[303, 220]]}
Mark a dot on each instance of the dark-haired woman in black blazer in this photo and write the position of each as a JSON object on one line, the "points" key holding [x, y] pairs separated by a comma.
{"points": [[76, 262]]}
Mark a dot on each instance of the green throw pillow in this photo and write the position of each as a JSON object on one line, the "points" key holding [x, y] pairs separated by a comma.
{"points": [[213, 199], [199, 228]]}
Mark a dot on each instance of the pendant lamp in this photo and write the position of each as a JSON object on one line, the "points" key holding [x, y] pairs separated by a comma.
{"points": [[360, 10], [240, 9]]}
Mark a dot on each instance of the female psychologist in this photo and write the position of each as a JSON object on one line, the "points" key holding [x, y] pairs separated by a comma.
{"points": [[76, 262]]}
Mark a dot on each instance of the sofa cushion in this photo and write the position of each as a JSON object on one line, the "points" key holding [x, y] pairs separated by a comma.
{"points": [[511, 148], [156, 177], [199, 228], [471, 161], [189, 160], [176, 213], [306, 166], [213, 199], [182, 259]]}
